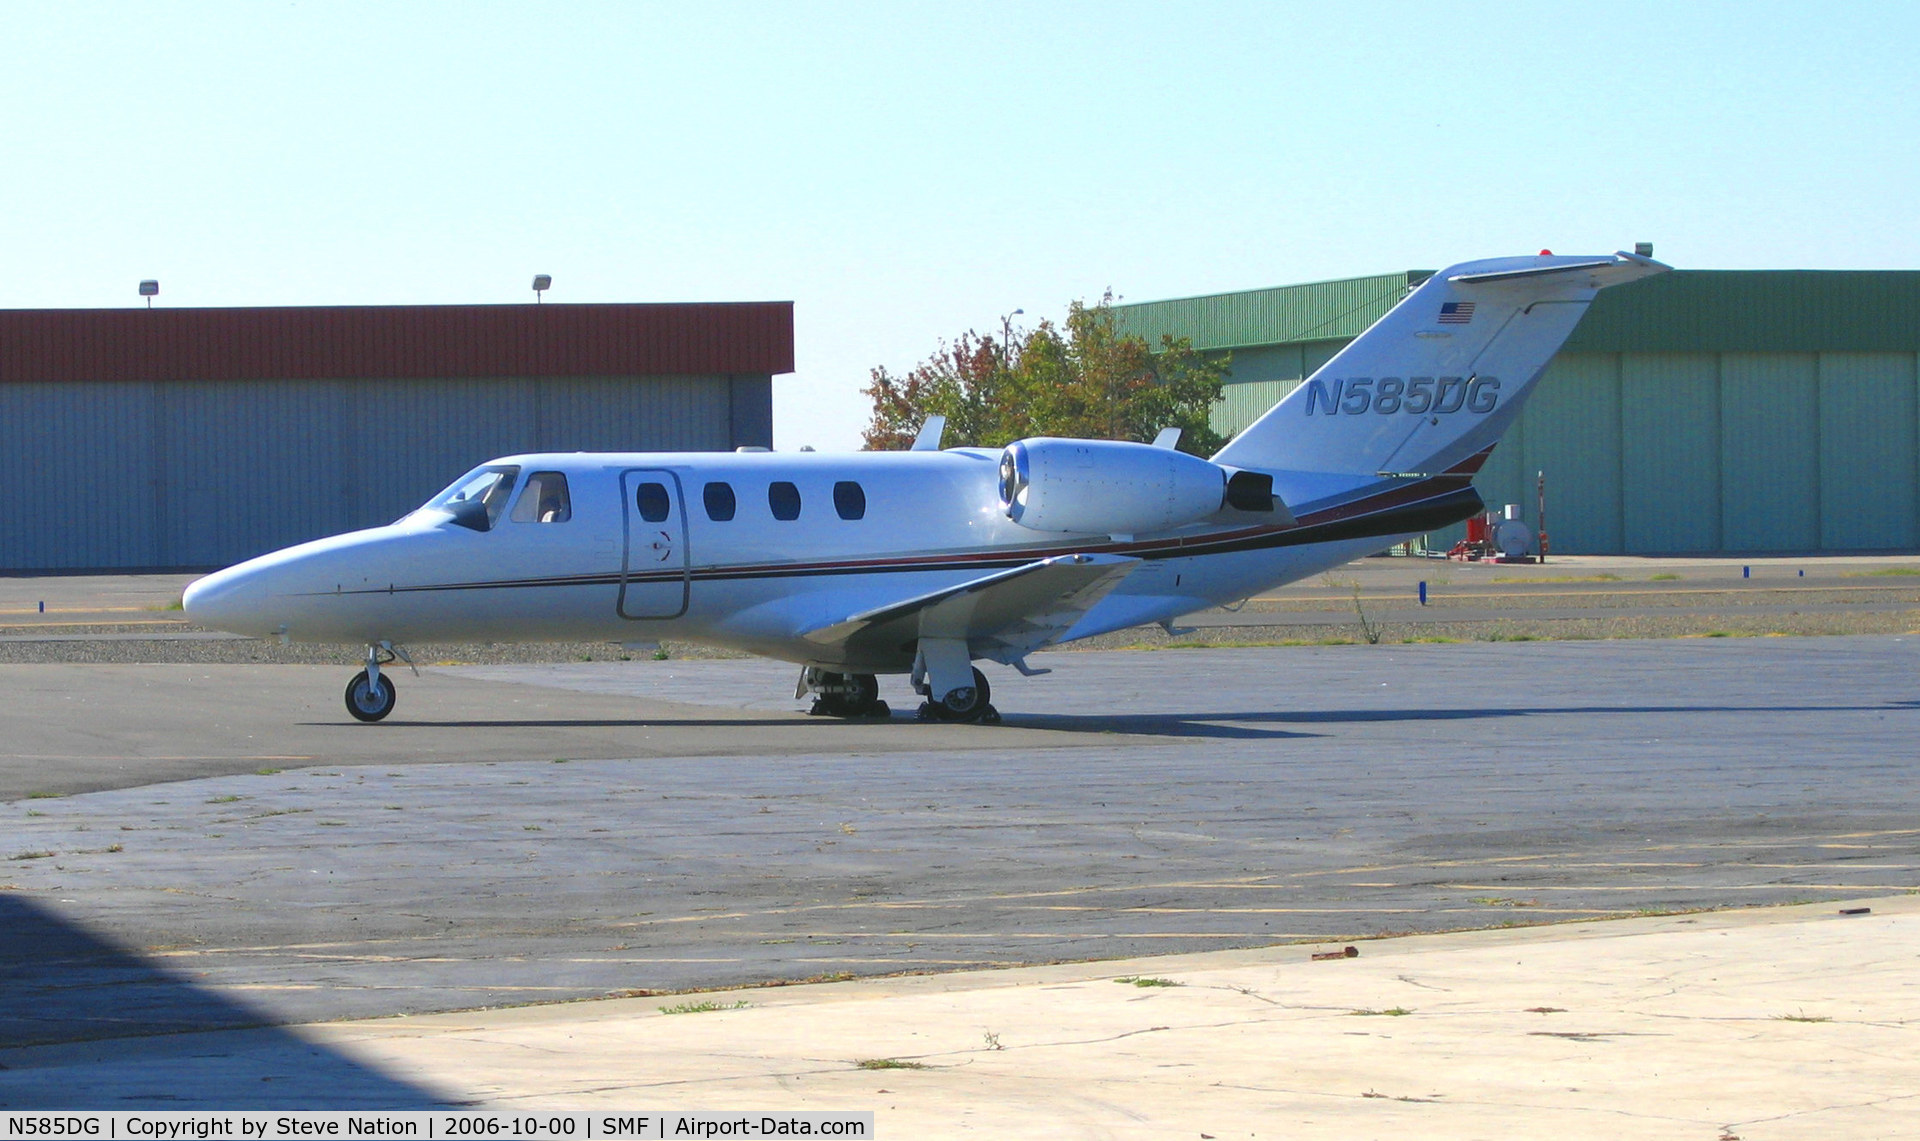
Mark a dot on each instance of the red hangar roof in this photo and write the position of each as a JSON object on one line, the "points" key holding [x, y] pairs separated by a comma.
{"points": [[380, 342]]}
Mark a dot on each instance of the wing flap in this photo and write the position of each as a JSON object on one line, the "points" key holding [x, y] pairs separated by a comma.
{"points": [[1002, 616]]}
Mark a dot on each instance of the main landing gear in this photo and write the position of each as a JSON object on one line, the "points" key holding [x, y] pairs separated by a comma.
{"points": [[841, 695], [963, 703], [955, 689], [370, 695], [943, 673]]}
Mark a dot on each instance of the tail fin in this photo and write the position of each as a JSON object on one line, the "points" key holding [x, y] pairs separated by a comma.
{"points": [[1440, 377]]}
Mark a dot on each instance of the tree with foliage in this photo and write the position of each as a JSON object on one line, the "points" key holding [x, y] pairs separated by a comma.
{"points": [[1088, 379]]}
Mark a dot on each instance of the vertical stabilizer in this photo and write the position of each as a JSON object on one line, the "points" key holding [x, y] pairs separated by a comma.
{"points": [[1441, 376]]}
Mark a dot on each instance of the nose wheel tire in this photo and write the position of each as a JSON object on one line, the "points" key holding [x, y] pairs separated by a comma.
{"points": [[367, 700]]}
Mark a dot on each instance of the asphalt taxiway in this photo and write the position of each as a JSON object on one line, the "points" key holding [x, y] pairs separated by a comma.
{"points": [[533, 833]]}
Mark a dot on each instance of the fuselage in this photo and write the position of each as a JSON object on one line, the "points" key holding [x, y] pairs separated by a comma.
{"points": [[751, 550]]}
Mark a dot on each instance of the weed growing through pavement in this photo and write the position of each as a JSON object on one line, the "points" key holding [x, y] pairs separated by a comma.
{"points": [[888, 1064], [1138, 980], [704, 1007], [1389, 1012], [1370, 630]]}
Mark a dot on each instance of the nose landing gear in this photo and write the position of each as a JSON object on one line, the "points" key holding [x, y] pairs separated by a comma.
{"points": [[370, 695]]}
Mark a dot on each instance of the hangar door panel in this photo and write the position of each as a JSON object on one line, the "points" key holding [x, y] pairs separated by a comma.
{"points": [[653, 577]]}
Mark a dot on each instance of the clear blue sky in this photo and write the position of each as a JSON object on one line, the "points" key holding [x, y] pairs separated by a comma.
{"points": [[904, 172]]}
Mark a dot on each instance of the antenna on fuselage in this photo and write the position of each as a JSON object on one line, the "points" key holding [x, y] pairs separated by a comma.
{"points": [[931, 433]]}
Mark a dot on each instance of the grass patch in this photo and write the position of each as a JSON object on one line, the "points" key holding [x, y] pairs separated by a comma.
{"points": [[1141, 980], [1511, 638], [1558, 578], [1665, 576], [1884, 572], [45, 795], [267, 772], [222, 799], [1389, 1012], [704, 1007], [32, 856], [889, 1064]]}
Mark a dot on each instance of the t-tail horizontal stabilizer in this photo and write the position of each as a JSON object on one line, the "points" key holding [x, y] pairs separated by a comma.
{"points": [[1001, 616], [1440, 377]]}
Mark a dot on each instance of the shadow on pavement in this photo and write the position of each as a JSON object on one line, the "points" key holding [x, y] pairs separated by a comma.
{"points": [[87, 1024], [1249, 724]]}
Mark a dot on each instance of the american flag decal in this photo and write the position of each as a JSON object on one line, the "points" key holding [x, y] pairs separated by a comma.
{"points": [[1456, 313]]}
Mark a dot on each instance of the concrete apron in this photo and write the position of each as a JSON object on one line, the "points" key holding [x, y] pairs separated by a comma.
{"points": [[1771, 1023]]}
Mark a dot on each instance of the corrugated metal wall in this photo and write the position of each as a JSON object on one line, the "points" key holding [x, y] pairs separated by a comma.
{"points": [[205, 473], [1674, 453]]}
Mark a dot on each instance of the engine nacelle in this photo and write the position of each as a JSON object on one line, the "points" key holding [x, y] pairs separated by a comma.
{"points": [[1106, 486]]}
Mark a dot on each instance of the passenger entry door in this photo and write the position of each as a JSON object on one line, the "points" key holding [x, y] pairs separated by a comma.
{"points": [[654, 581]]}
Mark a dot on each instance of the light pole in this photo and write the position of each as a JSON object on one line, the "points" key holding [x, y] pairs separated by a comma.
{"points": [[541, 283], [1006, 337]]}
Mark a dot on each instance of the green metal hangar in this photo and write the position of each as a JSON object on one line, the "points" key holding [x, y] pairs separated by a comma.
{"points": [[194, 438], [1702, 411]]}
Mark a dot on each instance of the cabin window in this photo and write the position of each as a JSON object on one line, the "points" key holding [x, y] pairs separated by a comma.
{"points": [[654, 502], [850, 500], [476, 499], [720, 503], [784, 499], [543, 500]]}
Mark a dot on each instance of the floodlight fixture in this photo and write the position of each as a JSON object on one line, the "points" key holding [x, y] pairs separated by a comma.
{"points": [[541, 283], [149, 289], [1643, 249]]}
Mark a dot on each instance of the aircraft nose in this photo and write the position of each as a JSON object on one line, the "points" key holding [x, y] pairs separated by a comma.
{"points": [[224, 600]]}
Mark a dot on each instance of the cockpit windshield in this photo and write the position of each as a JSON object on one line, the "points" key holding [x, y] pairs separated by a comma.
{"points": [[476, 499]]}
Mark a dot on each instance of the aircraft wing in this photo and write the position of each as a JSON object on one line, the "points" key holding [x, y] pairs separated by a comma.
{"points": [[1003, 616]]}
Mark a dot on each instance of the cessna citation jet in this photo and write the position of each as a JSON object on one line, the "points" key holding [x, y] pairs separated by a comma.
{"points": [[925, 561]]}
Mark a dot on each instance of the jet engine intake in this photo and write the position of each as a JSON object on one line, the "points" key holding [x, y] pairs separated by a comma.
{"points": [[1106, 486]]}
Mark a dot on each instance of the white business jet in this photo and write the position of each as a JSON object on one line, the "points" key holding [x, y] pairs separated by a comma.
{"points": [[925, 561]]}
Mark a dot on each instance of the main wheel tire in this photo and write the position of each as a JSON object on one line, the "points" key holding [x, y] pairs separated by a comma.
{"points": [[971, 708], [863, 694], [368, 702], [831, 702]]}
